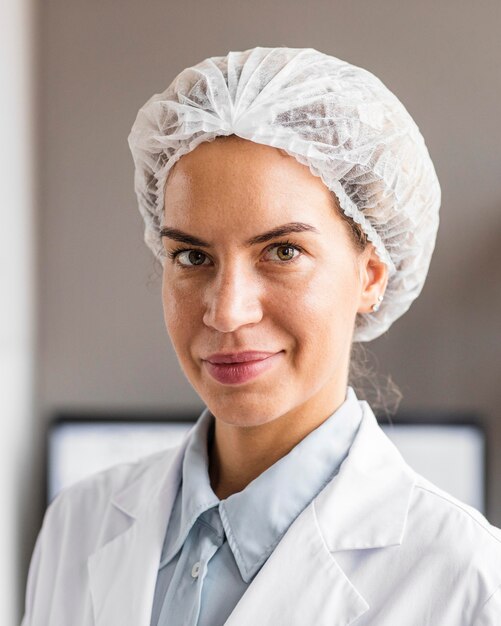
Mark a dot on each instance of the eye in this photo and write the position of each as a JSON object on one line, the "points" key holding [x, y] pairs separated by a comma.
{"points": [[288, 248], [193, 255]]}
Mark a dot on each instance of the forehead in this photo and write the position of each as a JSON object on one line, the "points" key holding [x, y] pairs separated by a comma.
{"points": [[231, 172]]}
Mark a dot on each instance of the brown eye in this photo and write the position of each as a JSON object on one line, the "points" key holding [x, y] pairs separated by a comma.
{"points": [[287, 252], [195, 257]]}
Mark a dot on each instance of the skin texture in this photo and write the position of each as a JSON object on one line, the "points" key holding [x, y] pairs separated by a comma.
{"points": [[230, 298]]}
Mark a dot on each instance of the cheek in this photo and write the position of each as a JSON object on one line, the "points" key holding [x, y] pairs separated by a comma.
{"points": [[181, 303], [318, 311], [323, 294]]}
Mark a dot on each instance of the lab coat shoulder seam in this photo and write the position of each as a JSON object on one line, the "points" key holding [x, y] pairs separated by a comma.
{"points": [[109, 481], [461, 508]]}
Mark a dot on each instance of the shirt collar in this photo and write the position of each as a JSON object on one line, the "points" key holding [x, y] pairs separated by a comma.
{"points": [[273, 499], [195, 495]]}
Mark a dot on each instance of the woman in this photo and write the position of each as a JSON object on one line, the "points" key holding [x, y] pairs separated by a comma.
{"points": [[294, 207]]}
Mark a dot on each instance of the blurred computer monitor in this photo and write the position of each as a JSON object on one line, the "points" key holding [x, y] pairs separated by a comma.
{"points": [[450, 454]]}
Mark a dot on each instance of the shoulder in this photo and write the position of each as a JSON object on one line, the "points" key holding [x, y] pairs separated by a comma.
{"points": [[90, 498], [78, 521], [117, 476], [456, 538], [446, 514]]}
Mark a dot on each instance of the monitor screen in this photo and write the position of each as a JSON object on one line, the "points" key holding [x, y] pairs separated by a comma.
{"points": [[450, 455]]}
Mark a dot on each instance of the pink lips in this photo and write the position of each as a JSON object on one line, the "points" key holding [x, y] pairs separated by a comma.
{"points": [[238, 368]]}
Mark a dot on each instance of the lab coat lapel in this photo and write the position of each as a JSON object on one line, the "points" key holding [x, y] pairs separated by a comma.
{"points": [[364, 506], [301, 583], [123, 571]]}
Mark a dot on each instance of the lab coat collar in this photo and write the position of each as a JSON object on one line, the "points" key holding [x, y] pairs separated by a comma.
{"points": [[364, 506], [123, 571], [367, 505]]}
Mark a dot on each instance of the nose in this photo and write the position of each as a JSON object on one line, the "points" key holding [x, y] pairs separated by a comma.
{"points": [[232, 299]]}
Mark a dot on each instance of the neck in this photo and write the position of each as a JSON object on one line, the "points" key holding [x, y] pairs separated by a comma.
{"points": [[238, 455]]}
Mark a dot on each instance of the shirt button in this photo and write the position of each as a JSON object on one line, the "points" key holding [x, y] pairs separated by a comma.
{"points": [[195, 570]]}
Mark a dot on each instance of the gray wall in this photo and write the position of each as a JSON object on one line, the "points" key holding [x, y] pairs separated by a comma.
{"points": [[101, 338]]}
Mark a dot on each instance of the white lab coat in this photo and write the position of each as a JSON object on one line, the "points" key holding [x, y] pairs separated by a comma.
{"points": [[379, 546]]}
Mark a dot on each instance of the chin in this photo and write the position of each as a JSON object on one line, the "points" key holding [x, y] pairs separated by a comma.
{"points": [[254, 411], [245, 421]]}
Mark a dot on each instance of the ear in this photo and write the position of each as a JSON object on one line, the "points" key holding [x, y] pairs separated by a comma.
{"points": [[373, 279]]}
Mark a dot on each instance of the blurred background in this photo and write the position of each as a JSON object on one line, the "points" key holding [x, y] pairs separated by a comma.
{"points": [[82, 326]]}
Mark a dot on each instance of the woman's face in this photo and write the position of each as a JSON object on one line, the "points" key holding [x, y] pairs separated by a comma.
{"points": [[295, 295]]}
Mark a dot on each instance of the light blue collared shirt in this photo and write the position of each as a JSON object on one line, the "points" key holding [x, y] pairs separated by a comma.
{"points": [[213, 548]]}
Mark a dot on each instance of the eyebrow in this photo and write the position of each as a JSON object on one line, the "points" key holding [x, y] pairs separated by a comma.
{"points": [[279, 231]]}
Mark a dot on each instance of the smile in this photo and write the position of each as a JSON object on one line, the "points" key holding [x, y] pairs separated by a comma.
{"points": [[239, 373]]}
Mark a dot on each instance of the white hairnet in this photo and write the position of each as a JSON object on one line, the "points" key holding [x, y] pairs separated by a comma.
{"points": [[338, 119]]}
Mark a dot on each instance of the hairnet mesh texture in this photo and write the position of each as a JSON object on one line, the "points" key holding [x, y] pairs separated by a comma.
{"points": [[336, 118]]}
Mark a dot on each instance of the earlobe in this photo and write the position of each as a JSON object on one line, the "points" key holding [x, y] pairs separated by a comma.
{"points": [[375, 307], [374, 281]]}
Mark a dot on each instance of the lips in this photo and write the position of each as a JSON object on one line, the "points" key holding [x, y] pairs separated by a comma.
{"points": [[231, 372], [238, 357]]}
